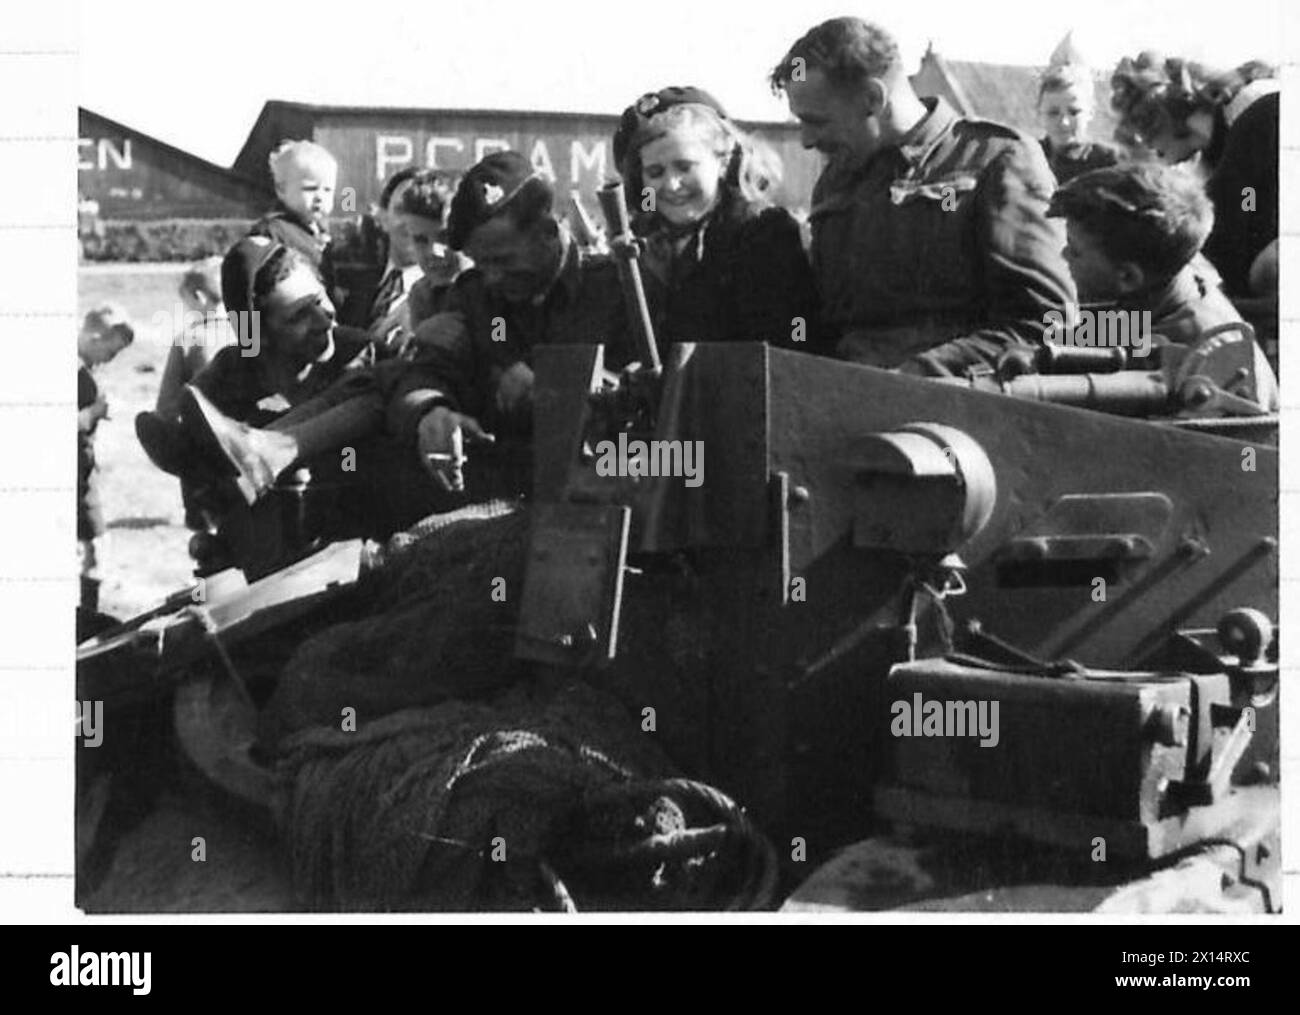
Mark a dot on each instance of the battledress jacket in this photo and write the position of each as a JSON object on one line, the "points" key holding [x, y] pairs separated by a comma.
{"points": [[251, 389], [938, 253], [460, 355], [1191, 304]]}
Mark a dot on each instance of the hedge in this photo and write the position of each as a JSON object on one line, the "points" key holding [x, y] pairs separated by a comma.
{"points": [[190, 239]]}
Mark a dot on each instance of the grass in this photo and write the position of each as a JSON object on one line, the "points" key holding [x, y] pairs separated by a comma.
{"points": [[145, 554]]}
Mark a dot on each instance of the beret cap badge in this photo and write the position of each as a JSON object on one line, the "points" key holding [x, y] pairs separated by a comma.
{"points": [[492, 194]]}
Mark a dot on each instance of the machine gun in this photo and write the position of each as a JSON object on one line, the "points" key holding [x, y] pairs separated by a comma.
{"points": [[1212, 379]]}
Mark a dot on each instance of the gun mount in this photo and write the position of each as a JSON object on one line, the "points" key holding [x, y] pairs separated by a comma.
{"points": [[861, 537]]}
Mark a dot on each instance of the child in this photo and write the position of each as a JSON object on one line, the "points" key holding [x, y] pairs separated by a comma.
{"points": [[104, 333], [386, 314], [722, 262], [377, 253], [1066, 97], [1134, 233], [203, 332], [421, 216], [305, 175]]}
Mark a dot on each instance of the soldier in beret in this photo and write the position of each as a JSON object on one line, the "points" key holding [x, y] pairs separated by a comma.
{"points": [[471, 380], [931, 243]]}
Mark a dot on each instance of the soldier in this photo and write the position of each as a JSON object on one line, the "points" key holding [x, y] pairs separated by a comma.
{"points": [[470, 377], [931, 241], [531, 284], [294, 371]]}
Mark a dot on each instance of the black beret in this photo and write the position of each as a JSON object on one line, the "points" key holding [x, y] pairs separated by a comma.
{"points": [[488, 188], [240, 266], [636, 118]]}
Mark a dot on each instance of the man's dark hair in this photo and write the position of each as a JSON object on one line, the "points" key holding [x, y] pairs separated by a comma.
{"points": [[846, 50], [1151, 214], [428, 196], [392, 183]]}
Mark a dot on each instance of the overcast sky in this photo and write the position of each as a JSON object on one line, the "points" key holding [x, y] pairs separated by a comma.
{"points": [[197, 74]]}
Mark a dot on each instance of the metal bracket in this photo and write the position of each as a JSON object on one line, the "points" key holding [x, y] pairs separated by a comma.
{"points": [[573, 587]]}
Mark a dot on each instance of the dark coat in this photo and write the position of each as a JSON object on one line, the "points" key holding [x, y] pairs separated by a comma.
{"points": [[460, 355], [1066, 166], [283, 226], [939, 251], [241, 386], [90, 516], [1249, 159], [741, 276]]}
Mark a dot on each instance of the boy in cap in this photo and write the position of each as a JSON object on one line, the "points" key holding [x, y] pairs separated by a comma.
{"points": [[105, 332], [1133, 236], [531, 284], [305, 175]]}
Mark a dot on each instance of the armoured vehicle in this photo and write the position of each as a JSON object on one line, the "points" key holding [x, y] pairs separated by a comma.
{"points": [[1010, 637]]}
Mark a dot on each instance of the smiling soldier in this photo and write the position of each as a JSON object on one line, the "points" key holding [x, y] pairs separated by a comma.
{"points": [[471, 381], [931, 243]]}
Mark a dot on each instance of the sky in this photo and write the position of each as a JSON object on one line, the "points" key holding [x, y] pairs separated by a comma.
{"points": [[197, 75]]}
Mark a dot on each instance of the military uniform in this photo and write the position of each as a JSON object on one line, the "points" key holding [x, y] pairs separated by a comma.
{"points": [[251, 390], [1190, 305], [1066, 165], [939, 251], [461, 354]]}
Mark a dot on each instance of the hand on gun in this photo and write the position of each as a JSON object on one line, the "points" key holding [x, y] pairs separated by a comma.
{"points": [[442, 436]]}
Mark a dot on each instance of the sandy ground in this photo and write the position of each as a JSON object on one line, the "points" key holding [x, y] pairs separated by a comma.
{"points": [[145, 554]]}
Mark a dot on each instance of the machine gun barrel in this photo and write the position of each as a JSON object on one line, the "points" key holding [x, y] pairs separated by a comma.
{"points": [[624, 246], [1126, 393]]}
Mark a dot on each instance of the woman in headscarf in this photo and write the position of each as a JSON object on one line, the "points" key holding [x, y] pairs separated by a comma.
{"points": [[1229, 121]]}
